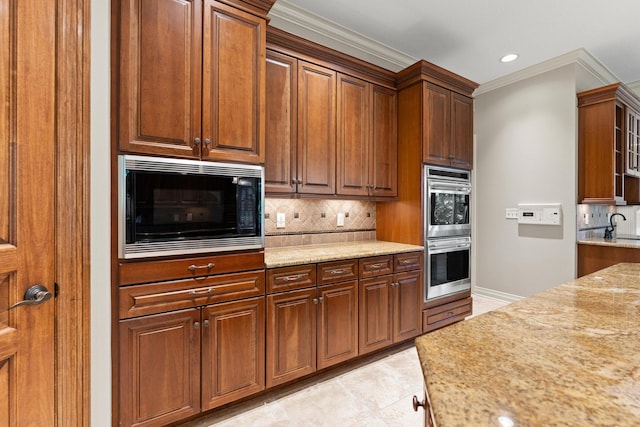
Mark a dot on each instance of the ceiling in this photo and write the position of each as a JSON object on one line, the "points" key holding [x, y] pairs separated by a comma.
{"points": [[469, 37]]}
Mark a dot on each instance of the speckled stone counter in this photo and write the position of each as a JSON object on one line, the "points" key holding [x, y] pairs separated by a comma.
{"points": [[569, 356], [622, 243], [294, 255]]}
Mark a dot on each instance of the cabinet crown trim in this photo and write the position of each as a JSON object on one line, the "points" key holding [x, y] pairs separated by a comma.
{"points": [[424, 70]]}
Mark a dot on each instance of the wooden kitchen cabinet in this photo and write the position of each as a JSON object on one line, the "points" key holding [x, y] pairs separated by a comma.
{"points": [[592, 258], [367, 147], [314, 327], [331, 122], [607, 146], [281, 110], [316, 129], [191, 80], [159, 368], [448, 127], [190, 335], [233, 351], [390, 304]]}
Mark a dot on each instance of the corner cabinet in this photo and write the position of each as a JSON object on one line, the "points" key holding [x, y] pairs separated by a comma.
{"points": [[191, 80], [608, 146]]}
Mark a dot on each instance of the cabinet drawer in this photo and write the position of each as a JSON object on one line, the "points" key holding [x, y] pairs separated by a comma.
{"points": [[437, 317], [155, 271], [337, 271], [376, 266], [289, 278], [407, 262], [140, 300]]}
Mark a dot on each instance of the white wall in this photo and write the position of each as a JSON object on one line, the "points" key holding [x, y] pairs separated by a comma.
{"points": [[526, 151], [100, 226]]}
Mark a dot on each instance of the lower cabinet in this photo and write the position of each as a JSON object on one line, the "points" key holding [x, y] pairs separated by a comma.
{"points": [[310, 329], [174, 365], [390, 310]]}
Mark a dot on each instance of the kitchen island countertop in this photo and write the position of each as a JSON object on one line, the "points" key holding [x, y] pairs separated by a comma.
{"points": [[308, 254], [569, 356]]}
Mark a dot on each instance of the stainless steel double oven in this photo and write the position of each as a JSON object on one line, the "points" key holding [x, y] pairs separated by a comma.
{"points": [[447, 198]]}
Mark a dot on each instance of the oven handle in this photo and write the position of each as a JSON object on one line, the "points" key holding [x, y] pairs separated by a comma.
{"points": [[450, 186], [433, 249]]}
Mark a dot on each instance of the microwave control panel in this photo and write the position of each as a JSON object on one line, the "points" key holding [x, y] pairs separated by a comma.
{"points": [[540, 214]]}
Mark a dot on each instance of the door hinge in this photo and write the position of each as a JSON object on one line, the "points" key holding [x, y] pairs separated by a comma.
{"points": [[56, 289]]}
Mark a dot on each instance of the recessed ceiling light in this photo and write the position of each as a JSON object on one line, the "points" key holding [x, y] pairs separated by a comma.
{"points": [[509, 57]]}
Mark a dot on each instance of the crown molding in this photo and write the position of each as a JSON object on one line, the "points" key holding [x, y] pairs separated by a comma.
{"points": [[298, 21], [635, 86], [580, 57]]}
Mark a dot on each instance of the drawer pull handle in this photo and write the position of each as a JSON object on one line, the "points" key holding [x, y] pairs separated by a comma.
{"points": [[406, 261], [417, 403], [292, 278], [338, 271], [201, 293], [380, 265], [194, 267]]}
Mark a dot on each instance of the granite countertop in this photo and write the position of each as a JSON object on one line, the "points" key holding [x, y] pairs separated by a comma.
{"points": [[619, 242], [294, 255], [569, 356]]}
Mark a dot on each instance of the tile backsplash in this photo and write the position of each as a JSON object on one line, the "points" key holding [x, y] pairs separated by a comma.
{"points": [[598, 219], [313, 221]]}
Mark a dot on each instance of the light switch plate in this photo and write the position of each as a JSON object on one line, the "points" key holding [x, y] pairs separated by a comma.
{"points": [[280, 220], [340, 219], [511, 213]]}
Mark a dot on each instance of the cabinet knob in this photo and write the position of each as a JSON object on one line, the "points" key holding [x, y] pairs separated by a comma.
{"points": [[207, 142], [321, 299], [196, 325], [205, 323], [417, 403], [315, 300], [196, 141]]}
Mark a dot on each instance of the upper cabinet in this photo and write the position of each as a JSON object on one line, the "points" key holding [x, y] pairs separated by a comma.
{"points": [[608, 146], [192, 79], [330, 122], [448, 127]]}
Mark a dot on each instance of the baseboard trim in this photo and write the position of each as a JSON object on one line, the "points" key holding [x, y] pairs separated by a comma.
{"points": [[497, 295]]}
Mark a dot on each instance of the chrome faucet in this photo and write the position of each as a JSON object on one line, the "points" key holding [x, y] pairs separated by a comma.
{"points": [[608, 232]]}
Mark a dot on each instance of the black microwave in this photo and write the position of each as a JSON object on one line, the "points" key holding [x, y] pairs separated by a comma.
{"points": [[176, 206]]}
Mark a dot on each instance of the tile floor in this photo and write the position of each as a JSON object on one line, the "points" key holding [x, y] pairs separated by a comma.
{"points": [[378, 393]]}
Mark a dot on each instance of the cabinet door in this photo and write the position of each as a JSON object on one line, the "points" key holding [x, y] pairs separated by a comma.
{"points": [[316, 129], [461, 131], [383, 156], [159, 368], [232, 351], [353, 136], [375, 309], [160, 72], [337, 323], [407, 305], [436, 122], [234, 47], [280, 174], [291, 335]]}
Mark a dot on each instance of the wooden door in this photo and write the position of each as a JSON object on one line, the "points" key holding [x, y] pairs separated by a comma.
{"points": [[160, 77], [281, 105], [352, 136], [461, 131], [159, 368], [316, 129], [375, 313], [337, 323], [436, 124], [27, 210], [233, 357], [234, 48], [291, 335], [407, 305], [383, 157]]}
